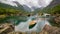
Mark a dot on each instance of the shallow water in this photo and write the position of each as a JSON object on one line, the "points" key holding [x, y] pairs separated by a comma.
{"points": [[24, 26]]}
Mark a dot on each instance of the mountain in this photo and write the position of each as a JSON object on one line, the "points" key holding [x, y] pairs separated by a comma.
{"points": [[29, 5], [53, 4], [20, 7]]}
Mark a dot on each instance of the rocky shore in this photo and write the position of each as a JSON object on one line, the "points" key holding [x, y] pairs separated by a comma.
{"points": [[6, 28], [9, 29]]}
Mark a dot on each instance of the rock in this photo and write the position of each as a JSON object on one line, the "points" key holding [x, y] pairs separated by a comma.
{"points": [[6, 28], [50, 30], [57, 19], [33, 32], [9, 29]]}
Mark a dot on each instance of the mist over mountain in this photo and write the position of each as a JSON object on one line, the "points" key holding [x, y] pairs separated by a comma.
{"points": [[29, 5]]}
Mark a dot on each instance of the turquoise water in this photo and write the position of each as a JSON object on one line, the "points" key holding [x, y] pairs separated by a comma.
{"points": [[40, 23], [14, 19]]}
